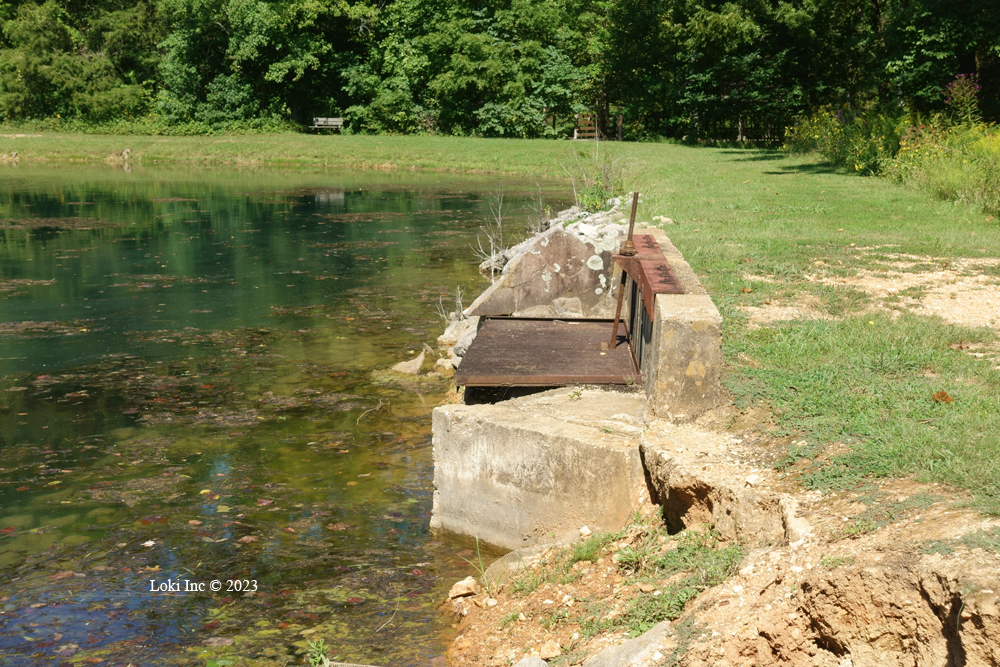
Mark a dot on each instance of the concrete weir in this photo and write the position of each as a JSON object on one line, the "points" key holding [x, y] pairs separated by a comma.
{"points": [[535, 469]]}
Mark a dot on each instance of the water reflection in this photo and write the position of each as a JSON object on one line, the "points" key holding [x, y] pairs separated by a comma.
{"points": [[186, 393]]}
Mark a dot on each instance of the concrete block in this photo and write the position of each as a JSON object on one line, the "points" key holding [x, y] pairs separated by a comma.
{"points": [[535, 469], [682, 369]]}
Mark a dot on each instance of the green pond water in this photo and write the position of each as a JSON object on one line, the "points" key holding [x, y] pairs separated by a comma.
{"points": [[190, 391]]}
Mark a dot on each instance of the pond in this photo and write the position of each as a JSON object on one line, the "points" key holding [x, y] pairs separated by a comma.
{"points": [[193, 389]]}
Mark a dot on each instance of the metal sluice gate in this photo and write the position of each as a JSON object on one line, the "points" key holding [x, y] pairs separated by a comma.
{"points": [[555, 352]]}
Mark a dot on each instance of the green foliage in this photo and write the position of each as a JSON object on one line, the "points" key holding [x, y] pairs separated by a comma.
{"points": [[987, 540], [864, 141], [699, 555], [47, 70], [317, 653], [590, 548], [959, 162], [737, 71]]}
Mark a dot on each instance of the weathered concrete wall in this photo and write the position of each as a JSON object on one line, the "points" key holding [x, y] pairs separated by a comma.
{"points": [[682, 370], [563, 272], [538, 468]]}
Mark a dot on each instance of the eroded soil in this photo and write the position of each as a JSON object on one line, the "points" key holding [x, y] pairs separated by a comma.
{"points": [[896, 573]]}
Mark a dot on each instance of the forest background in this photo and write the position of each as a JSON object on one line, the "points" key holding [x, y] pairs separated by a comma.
{"points": [[734, 71]]}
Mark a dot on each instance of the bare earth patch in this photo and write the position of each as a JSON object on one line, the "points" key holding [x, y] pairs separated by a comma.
{"points": [[803, 307], [957, 290]]}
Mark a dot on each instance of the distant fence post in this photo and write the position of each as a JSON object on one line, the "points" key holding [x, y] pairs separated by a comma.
{"points": [[619, 127]]}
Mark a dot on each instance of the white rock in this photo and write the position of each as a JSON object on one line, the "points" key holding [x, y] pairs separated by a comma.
{"points": [[584, 532], [411, 367], [465, 340]]}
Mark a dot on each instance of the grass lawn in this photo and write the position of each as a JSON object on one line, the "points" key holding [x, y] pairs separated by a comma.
{"points": [[855, 380]]}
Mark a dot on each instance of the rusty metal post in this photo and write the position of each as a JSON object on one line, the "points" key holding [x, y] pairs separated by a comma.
{"points": [[628, 249]]}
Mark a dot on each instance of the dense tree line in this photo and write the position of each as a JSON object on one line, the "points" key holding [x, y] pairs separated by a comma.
{"points": [[739, 69]]}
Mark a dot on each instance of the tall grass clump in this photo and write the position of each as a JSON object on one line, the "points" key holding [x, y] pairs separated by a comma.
{"points": [[953, 154]]}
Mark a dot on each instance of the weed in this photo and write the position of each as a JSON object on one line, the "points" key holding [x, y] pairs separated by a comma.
{"points": [[589, 548], [833, 562], [316, 653], [509, 618], [575, 394], [860, 527], [943, 547], [687, 631], [983, 539], [555, 619], [480, 568], [701, 556], [881, 511], [646, 611], [794, 453], [529, 580]]}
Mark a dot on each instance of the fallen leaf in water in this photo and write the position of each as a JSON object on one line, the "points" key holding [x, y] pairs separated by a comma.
{"points": [[364, 474], [150, 543], [194, 522], [8, 530], [942, 397], [264, 502], [67, 650], [289, 529], [247, 540], [340, 525], [223, 508], [219, 641], [62, 575], [23, 488], [355, 600]]}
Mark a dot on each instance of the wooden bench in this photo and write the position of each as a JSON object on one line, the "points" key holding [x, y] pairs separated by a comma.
{"points": [[328, 124]]}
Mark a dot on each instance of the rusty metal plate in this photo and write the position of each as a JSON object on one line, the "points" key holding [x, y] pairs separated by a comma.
{"points": [[536, 352], [650, 270]]}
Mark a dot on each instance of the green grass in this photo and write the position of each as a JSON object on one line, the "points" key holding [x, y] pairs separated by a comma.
{"points": [[987, 540], [860, 379]]}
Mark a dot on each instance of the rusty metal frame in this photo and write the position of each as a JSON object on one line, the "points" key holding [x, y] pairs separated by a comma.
{"points": [[471, 373]]}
